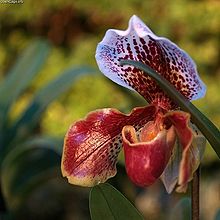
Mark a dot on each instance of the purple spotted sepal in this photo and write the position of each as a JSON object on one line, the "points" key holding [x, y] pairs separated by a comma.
{"points": [[139, 43]]}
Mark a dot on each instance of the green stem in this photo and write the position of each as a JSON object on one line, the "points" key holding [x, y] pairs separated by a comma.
{"points": [[208, 129]]}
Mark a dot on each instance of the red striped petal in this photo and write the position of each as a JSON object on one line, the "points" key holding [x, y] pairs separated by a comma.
{"points": [[146, 157], [92, 145]]}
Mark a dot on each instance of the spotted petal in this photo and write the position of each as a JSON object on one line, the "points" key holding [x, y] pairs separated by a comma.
{"points": [[92, 145], [147, 156], [140, 44]]}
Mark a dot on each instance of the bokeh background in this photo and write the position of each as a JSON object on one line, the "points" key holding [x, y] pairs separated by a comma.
{"points": [[73, 29]]}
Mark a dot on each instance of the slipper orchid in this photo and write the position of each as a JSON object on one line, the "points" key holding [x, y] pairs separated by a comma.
{"points": [[158, 140]]}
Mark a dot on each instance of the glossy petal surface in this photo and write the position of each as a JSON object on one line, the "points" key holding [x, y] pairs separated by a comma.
{"points": [[139, 43], [146, 160], [92, 145]]}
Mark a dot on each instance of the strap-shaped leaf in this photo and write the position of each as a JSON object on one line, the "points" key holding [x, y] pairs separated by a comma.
{"points": [[106, 202], [43, 98], [28, 166], [208, 129], [20, 75]]}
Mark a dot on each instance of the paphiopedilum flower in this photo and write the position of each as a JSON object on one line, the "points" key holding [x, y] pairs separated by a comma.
{"points": [[158, 140]]}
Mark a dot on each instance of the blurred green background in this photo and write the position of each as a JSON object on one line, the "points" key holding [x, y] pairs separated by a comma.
{"points": [[73, 29]]}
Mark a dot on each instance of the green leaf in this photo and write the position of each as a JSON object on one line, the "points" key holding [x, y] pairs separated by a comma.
{"points": [[108, 203], [31, 116], [19, 77], [209, 130], [28, 166]]}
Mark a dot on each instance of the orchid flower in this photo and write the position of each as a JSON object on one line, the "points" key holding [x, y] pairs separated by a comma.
{"points": [[158, 140]]}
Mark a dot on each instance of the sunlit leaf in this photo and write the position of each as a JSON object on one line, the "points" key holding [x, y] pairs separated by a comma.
{"points": [[20, 75], [108, 203], [31, 116], [208, 129]]}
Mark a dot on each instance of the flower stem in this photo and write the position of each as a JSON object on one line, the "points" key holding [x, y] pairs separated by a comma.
{"points": [[195, 195]]}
